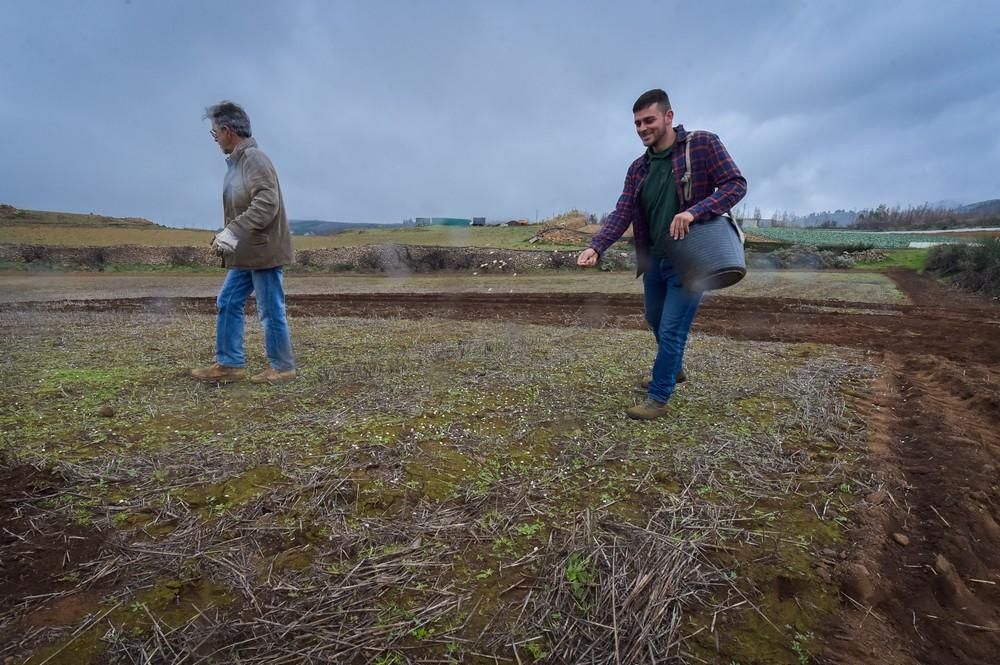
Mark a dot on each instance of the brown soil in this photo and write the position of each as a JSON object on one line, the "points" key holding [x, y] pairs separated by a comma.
{"points": [[930, 541], [39, 552], [923, 575], [948, 328]]}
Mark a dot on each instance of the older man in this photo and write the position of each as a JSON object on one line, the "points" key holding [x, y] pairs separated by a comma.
{"points": [[663, 196], [255, 245]]}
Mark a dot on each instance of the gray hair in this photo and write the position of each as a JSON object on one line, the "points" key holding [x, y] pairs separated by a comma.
{"points": [[231, 115]]}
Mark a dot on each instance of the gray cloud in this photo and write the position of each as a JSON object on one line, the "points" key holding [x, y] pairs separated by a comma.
{"points": [[377, 111]]}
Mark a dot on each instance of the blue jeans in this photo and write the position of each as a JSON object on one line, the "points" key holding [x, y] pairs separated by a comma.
{"points": [[267, 285], [670, 309]]}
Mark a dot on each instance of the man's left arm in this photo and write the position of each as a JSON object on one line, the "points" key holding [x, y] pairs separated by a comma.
{"points": [[725, 176]]}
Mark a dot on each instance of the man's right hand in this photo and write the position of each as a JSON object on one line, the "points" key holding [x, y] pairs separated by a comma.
{"points": [[588, 258], [225, 242]]}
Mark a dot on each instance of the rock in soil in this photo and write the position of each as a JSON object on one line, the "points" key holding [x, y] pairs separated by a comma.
{"points": [[951, 589], [855, 581]]}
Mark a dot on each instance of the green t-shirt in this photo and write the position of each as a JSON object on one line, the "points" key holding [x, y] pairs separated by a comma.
{"points": [[659, 198]]}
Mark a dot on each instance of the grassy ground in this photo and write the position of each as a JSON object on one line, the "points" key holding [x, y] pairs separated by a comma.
{"points": [[508, 237], [70, 229], [844, 286], [432, 490], [911, 259], [514, 237], [83, 236]]}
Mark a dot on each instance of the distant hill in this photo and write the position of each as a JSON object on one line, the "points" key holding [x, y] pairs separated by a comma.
{"points": [[944, 204], [318, 227], [990, 207], [11, 215], [848, 217]]}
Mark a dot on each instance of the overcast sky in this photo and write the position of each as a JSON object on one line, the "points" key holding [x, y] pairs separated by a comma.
{"points": [[379, 111]]}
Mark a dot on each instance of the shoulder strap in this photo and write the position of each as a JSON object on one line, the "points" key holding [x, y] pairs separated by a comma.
{"points": [[686, 178]]}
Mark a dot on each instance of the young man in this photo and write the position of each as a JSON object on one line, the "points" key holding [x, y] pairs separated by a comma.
{"points": [[254, 244], [663, 196]]}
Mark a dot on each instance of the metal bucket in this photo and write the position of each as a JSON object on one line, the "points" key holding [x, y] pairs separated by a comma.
{"points": [[710, 256]]}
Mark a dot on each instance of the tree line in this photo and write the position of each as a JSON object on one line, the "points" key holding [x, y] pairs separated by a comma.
{"points": [[884, 218]]}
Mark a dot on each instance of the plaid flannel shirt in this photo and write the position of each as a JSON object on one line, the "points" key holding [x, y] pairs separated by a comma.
{"points": [[716, 187]]}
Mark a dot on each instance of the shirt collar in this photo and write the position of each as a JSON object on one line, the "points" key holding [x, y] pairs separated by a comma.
{"points": [[665, 154], [240, 148], [681, 138]]}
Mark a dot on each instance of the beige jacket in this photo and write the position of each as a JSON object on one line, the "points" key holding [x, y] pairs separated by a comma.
{"points": [[255, 211]]}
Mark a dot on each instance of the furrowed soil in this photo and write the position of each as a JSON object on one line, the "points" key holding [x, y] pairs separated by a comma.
{"points": [[918, 574], [871, 326]]}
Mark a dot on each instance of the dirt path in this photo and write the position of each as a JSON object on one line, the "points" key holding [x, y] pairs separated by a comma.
{"points": [[929, 551], [923, 290], [924, 577]]}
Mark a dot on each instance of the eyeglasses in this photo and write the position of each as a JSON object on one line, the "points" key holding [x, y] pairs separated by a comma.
{"points": [[215, 133]]}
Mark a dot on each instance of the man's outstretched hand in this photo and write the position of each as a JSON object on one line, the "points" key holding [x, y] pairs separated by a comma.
{"points": [[588, 258]]}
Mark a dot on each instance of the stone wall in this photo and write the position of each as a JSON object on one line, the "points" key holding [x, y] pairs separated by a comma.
{"points": [[371, 258], [396, 258], [96, 258]]}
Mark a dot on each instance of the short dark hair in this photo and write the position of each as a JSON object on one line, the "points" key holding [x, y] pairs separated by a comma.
{"points": [[231, 115], [650, 97]]}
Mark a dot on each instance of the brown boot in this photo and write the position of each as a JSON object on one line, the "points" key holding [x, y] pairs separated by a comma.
{"points": [[644, 382], [271, 375], [218, 373], [648, 410]]}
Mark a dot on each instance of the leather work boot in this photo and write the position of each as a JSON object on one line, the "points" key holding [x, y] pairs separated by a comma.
{"points": [[648, 410], [218, 373], [644, 382], [271, 375]]}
